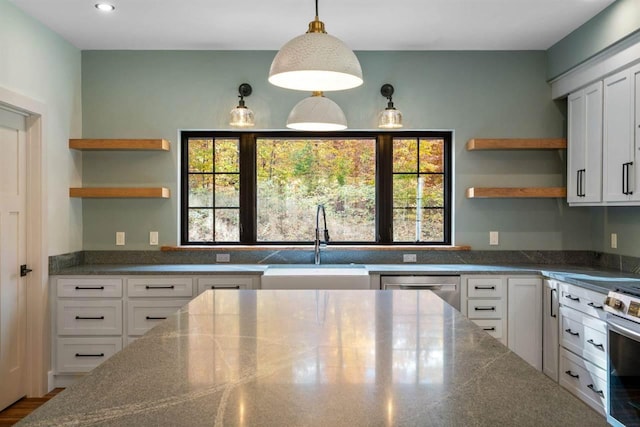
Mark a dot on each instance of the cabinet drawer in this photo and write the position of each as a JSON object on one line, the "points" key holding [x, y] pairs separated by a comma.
{"points": [[207, 283], [160, 287], [584, 379], [84, 354], [584, 300], [89, 287], [491, 326], [584, 335], [485, 287], [484, 309], [89, 317], [144, 315]]}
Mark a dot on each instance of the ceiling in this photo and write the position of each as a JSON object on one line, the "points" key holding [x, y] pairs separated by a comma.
{"points": [[362, 24]]}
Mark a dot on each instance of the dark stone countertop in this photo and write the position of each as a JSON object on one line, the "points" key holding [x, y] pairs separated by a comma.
{"points": [[315, 358]]}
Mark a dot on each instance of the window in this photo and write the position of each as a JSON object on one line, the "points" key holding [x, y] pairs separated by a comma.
{"points": [[377, 188]]}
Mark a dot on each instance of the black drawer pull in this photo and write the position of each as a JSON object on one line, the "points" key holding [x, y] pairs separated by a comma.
{"points": [[493, 328], [575, 334], [572, 375], [598, 346], [159, 287], [485, 288], [89, 355], [225, 287], [593, 389], [484, 308], [89, 318], [597, 307], [156, 318], [89, 288], [572, 298]]}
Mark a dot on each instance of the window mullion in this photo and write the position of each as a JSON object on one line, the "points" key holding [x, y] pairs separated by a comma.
{"points": [[248, 218], [384, 199]]}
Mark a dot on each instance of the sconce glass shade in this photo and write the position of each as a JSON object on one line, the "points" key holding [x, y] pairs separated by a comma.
{"points": [[241, 117], [390, 118], [315, 61], [317, 113]]}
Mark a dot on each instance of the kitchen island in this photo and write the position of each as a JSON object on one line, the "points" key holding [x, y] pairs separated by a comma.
{"points": [[315, 358]]}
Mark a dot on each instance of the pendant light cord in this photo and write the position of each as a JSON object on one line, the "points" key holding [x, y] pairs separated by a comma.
{"points": [[317, 8]]}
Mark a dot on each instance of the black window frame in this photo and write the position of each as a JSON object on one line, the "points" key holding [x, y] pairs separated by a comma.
{"points": [[384, 182]]}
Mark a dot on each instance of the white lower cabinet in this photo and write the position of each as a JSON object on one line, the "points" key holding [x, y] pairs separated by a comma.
{"points": [[582, 332], [484, 301], [94, 317], [550, 318], [525, 319]]}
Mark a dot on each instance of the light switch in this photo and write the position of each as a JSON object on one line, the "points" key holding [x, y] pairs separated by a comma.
{"points": [[409, 258], [223, 257], [153, 238], [119, 238], [494, 238]]}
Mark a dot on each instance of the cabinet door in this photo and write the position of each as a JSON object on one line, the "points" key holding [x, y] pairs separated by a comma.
{"points": [[524, 321], [618, 137], [576, 146], [636, 176], [550, 342]]}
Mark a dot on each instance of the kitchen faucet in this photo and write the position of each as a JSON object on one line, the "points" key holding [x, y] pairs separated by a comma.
{"points": [[326, 232]]}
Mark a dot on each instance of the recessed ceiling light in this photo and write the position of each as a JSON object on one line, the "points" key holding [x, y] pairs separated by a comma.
{"points": [[105, 7]]}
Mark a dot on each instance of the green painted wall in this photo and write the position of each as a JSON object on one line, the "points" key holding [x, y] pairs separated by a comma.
{"points": [[38, 63], [141, 94], [616, 22]]}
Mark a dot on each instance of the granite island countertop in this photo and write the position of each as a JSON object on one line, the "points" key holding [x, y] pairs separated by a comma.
{"points": [[315, 358]]}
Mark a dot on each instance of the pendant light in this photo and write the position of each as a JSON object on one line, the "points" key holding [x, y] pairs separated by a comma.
{"points": [[241, 116], [390, 117], [315, 61], [317, 113]]}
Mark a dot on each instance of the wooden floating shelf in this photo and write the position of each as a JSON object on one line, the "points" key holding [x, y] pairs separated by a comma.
{"points": [[517, 144], [120, 192], [511, 192], [120, 144]]}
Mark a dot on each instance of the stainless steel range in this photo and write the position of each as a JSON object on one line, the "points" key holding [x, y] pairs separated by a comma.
{"points": [[623, 319]]}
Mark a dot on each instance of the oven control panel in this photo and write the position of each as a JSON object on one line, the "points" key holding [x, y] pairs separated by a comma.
{"points": [[634, 309], [623, 305]]}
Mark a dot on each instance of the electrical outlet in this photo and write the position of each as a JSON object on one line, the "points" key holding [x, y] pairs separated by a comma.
{"points": [[223, 257], [409, 258], [494, 238], [153, 238], [119, 238], [614, 240]]}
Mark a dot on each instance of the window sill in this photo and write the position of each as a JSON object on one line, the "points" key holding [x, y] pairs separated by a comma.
{"points": [[310, 247]]}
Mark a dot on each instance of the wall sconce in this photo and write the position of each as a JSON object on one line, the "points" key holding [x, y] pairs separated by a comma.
{"points": [[390, 117], [241, 116], [317, 113]]}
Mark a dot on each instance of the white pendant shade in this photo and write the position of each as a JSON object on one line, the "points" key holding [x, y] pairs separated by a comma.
{"points": [[315, 61], [317, 113]]}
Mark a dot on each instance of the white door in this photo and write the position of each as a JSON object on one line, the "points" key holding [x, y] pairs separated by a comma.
{"points": [[12, 255], [618, 137]]}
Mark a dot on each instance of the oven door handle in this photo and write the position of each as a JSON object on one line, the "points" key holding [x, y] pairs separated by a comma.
{"points": [[618, 327]]}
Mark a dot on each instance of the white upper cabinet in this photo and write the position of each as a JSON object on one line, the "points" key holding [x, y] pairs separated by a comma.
{"points": [[584, 171], [618, 141]]}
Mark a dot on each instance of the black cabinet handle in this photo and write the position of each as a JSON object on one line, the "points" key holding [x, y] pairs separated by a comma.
{"points": [[597, 307], [578, 172], [484, 308], [485, 288], [90, 288], [89, 318], [155, 318], [625, 178], [598, 346], [225, 287], [159, 287], [551, 303], [572, 298], [580, 184], [575, 334], [593, 389], [89, 355], [571, 374], [489, 329]]}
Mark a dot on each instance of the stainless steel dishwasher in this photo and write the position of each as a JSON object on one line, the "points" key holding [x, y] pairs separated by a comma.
{"points": [[446, 287]]}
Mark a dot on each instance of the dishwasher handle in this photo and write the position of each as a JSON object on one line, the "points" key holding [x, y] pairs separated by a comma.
{"points": [[429, 287]]}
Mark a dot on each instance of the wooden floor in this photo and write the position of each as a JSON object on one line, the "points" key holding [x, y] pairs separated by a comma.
{"points": [[24, 407]]}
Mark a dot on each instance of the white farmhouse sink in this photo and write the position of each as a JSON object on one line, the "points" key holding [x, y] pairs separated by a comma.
{"points": [[315, 277]]}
